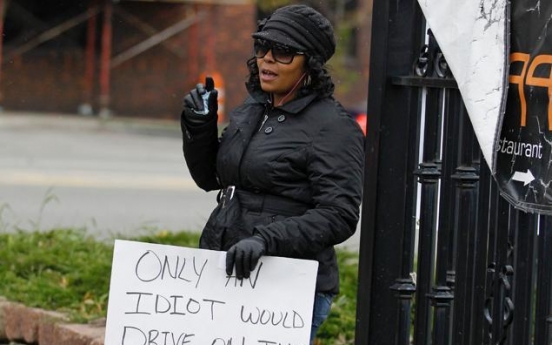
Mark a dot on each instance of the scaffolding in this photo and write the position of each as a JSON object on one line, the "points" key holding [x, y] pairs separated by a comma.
{"points": [[102, 12]]}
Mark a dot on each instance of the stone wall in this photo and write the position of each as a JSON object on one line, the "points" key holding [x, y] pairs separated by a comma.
{"points": [[22, 324]]}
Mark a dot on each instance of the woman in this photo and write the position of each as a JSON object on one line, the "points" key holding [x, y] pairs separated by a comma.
{"points": [[290, 163]]}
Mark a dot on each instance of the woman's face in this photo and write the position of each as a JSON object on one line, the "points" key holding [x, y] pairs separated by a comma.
{"points": [[278, 78]]}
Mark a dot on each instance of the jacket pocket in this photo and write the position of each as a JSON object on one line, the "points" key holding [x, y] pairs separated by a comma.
{"points": [[225, 226]]}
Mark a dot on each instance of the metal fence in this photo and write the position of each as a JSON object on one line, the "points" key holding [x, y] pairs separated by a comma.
{"points": [[444, 258]]}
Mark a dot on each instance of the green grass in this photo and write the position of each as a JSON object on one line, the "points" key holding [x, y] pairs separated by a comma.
{"points": [[67, 270]]}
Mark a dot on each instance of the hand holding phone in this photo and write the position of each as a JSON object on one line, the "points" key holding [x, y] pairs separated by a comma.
{"points": [[203, 99], [209, 86]]}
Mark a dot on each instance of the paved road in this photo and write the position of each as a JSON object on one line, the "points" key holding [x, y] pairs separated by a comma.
{"points": [[110, 176]]}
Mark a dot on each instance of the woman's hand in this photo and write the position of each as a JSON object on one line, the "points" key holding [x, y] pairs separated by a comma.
{"points": [[245, 255], [201, 104]]}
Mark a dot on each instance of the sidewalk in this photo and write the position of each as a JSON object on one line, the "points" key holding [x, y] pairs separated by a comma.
{"points": [[24, 119]]}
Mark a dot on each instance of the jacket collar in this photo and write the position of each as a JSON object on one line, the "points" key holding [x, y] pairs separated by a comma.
{"points": [[293, 107]]}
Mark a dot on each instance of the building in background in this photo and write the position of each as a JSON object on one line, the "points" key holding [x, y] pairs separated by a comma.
{"points": [[138, 58]]}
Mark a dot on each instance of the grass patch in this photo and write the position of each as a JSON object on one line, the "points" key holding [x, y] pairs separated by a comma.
{"points": [[67, 270]]}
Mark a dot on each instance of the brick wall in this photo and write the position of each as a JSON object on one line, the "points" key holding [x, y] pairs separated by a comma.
{"points": [[151, 84], [51, 77], [44, 80]]}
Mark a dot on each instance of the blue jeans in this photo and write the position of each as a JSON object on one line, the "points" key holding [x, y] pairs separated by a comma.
{"points": [[322, 307]]}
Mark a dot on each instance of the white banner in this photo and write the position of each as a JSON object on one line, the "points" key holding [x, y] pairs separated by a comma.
{"points": [[168, 295], [473, 36]]}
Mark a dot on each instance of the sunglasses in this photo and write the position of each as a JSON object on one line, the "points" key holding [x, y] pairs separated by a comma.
{"points": [[280, 53]]}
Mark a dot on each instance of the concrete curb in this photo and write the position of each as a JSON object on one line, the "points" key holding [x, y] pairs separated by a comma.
{"points": [[42, 327]]}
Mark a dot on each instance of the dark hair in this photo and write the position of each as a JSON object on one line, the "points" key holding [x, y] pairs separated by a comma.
{"points": [[320, 80]]}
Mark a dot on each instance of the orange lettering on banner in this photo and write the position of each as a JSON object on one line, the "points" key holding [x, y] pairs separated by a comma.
{"points": [[520, 81], [528, 77], [542, 82]]}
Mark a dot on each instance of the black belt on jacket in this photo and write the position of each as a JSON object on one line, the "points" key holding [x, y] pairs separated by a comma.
{"points": [[268, 203]]}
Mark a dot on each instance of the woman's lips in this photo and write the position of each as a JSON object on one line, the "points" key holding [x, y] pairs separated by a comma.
{"points": [[267, 75]]}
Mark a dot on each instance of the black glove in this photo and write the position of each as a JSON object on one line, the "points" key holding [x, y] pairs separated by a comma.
{"points": [[245, 255], [194, 106]]}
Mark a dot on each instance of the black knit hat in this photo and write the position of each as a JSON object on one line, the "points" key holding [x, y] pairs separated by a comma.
{"points": [[300, 27]]}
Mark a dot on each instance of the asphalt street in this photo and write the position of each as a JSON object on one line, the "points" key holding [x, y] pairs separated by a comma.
{"points": [[112, 177]]}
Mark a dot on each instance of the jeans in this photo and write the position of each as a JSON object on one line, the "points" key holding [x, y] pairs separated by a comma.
{"points": [[322, 307]]}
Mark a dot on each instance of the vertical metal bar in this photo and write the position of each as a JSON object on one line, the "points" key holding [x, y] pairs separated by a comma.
{"points": [[482, 247], [524, 277], [405, 284], [466, 178], [105, 67], [453, 159], [395, 42], [507, 279], [442, 294], [546, 287], [543, 313], [429, 174], [367, 256], [429, 177], [488, 191]]}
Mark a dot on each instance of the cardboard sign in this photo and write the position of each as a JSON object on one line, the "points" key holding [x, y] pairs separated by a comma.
{"points": [[168, 295]]}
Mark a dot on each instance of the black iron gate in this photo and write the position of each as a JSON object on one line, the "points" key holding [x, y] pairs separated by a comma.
{"points": [[444, 259]]}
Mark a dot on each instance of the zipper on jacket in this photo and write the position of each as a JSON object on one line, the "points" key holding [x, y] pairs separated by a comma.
{"points": [[262, 123], [265, 117]]}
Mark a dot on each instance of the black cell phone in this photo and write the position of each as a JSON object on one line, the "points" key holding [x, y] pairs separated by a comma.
{"points": [[209, 84]]}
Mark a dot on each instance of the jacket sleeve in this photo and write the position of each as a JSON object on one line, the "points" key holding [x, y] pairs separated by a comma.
{"points": [[200, 146], [335, 172]]}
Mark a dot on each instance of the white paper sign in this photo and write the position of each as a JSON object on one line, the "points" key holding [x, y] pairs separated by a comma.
{"points": [[168, 295], [473, 36]]}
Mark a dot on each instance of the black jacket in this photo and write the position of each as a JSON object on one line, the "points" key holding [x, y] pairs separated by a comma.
{"points": [[298, 172]]}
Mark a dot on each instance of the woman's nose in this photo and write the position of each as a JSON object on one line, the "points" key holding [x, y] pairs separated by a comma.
{"points": [[268, 56]]}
